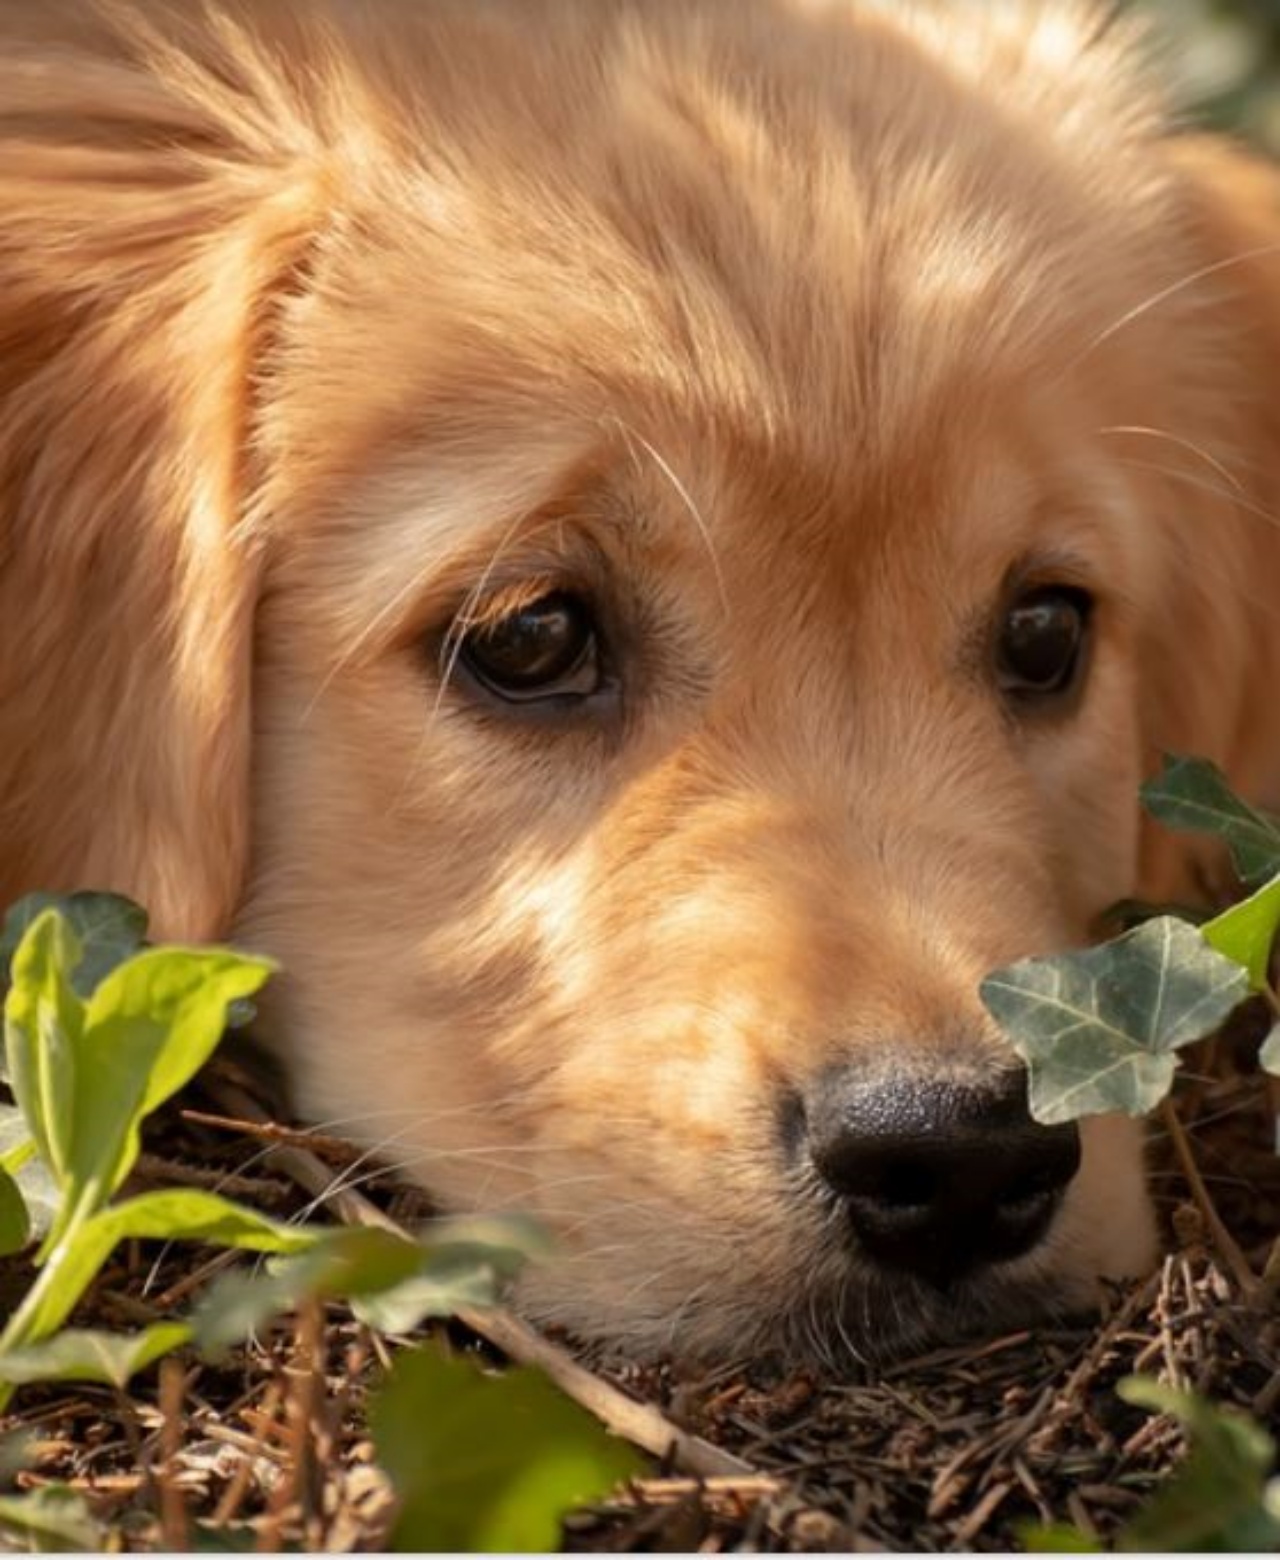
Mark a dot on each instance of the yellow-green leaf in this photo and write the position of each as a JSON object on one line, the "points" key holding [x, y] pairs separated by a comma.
{"points": [[43, 1023], [1247, 932], [76, 1354]]}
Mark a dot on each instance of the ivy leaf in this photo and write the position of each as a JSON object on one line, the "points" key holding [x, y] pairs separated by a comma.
{"points": [[1097, 1029], [487, 1463], [1192, 795], [108, 927], [457, 1284], [1216, 1499], [463, 1263], [74, 1354], [51, 1520], [1247, 932], [340, 1264]]}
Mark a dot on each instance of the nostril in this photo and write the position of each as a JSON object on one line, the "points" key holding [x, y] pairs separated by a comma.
{"points": [[883, 1175], [908, 1185]]}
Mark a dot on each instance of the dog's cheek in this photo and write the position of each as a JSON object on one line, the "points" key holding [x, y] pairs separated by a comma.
{"points": [[1087, 772]]}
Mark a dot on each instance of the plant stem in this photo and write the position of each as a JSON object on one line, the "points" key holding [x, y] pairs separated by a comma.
{"points": [[43, 1308], [1222, 1237]]}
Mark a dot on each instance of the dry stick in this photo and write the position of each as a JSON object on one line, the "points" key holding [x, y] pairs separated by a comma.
{"points": [[1222, 1236], [309, 1449], [965, 1533], [233, 1496], [640, 1423], [174, 1529], [273, 1132], [1269, 1286], [745, 1486]]}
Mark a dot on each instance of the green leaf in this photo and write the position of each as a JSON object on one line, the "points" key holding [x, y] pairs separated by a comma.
{"points": [[466, 1283], [1192, 794], [52, 1520], [43, 1023], [18, 1450], [1097, 1028], [169, 1215], [1216, 1498], [108, 927], [149, 1027], [181, 1214], [15, 1224], [82, 1355], [463, 1263], [232, 1538], [391, 1282], [487, 1463], [1247, 931], [1057, 1538], [339, 1264], [18, 1157]]}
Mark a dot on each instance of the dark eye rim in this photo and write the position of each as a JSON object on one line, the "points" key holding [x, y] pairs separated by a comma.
{"points": [[583, 678], [1025, 696]]}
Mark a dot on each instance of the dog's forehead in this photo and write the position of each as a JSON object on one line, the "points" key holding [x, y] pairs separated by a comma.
{"points": [[824, 236]]}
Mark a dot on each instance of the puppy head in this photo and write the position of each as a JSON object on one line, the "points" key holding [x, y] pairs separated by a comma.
{"points": [[719, 600]]}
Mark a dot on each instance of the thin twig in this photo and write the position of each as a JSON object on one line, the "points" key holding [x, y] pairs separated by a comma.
{"points": [[310, 1444], [233, 1496], [742, 1486], [273, 1132], [640, 1423], [175, 1530], [1221, 1235]]}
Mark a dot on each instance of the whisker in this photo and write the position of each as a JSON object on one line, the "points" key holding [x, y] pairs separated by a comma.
{"points": [[1186, 444], [1259, 252], [453, 642], [1233, 496], [686, 499], [386, 611]]}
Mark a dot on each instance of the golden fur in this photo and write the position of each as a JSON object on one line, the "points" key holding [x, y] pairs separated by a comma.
{"points": [[787, 329]]}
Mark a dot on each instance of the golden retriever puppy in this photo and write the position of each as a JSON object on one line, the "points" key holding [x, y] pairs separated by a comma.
{"points": [[641, 547]]}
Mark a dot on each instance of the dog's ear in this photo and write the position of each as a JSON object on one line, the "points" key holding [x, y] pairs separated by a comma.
{"points": [[1211, 682], [150, 222]]}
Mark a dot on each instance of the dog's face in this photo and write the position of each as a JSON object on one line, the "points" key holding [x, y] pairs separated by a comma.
{"points": [[718, 602], [726, 802]]}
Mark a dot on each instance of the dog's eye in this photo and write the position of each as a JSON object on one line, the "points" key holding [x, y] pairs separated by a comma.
{"points": [[1042, 639], [546, 649]]}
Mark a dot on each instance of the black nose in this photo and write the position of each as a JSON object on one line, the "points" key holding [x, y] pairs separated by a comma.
{"points": [[939, 1177]]}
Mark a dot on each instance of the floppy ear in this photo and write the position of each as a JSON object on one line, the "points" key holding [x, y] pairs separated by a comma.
{"points": [[147, 223], [1216, 695]]}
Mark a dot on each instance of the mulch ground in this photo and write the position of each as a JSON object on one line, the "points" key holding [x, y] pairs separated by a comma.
{"points": [[958, 1450]]}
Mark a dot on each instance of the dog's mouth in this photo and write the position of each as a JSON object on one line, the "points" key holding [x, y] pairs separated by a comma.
{"points": [[827, 1306], [876, 1317]]}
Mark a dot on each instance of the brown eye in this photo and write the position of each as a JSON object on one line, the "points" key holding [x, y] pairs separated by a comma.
{"points": [[544, 650], [1042, 641]]}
